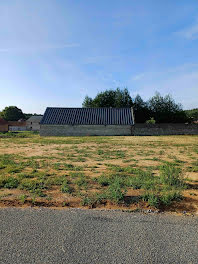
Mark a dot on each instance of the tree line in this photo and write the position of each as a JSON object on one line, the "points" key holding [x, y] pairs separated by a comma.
{"points": [[13, 113], [160, 109]]}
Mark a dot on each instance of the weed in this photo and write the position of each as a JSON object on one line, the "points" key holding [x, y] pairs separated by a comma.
{"points": [[103, 180], [115, 192], [8, 182], [151, 198], [34, 186], [86, 201], [22, 198], [65, 188], [168, 197], [171, 175], [81, 182]]}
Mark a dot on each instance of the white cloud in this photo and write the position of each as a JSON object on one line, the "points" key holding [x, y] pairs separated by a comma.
{"points": [[190, 32], [138, 77]]}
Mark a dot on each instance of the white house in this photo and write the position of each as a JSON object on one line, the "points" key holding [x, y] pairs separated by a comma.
{"points": [[33, 123]]}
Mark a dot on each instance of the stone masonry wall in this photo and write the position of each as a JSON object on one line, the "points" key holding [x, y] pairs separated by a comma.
{"points": [[164, 129], [116, 130], [85, 130]]}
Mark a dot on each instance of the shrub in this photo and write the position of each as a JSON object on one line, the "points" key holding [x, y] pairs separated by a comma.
{"points": [[151, 121]]}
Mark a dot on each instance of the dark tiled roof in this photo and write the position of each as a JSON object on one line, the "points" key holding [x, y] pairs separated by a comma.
{"points": [[87, 116]]}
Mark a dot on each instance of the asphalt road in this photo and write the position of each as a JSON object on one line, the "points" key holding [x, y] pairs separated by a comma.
{"points": [[85, 236]]}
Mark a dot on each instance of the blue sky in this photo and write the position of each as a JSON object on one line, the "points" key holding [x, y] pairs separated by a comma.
{"points": [[53, 52]]}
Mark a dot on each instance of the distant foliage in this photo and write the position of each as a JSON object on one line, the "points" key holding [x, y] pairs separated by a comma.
{"points": [[12, 113], [141, 110], [166, 110], [192, 114], [163, 109], [110, 98]]}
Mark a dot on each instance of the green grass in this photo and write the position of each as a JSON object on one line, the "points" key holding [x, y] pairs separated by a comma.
{"points": [[66, 188], [8, 182]]}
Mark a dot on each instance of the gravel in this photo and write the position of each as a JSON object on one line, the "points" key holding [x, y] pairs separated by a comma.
{"points": [[43, 236]]}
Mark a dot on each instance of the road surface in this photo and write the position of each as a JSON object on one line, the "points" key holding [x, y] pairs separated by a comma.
{"points": [[42, 236]]}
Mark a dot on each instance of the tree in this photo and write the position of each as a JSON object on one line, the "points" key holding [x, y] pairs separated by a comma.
{"points": [[88, 102], [110, 98], [141, 110], [192, 114], [12, 113], [166, 110]]}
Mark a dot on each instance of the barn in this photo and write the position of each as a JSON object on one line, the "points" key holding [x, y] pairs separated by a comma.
{"points": [[87, 122], [3, 125]]}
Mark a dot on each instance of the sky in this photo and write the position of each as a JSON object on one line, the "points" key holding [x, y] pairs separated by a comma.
{"points": [[55, 52]]}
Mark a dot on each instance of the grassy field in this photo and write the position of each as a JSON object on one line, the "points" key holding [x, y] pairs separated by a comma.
{"points": [[131, 173]]}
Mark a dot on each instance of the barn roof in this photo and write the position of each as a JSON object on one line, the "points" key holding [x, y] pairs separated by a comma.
{"points": [[35, 118], [87, 116]]}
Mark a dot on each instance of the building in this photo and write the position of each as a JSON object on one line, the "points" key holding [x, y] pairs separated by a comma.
{"points": [[33, 123], [19, 125], [3, 125], [87, 122]]}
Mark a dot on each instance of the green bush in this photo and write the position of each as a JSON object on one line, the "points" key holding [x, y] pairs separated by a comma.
{"points": [[151, 121]]}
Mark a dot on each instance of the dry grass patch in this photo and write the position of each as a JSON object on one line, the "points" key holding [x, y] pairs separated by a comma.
{"points": [[107, 172]]}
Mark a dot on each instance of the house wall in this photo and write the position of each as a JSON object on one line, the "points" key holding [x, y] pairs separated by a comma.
{"points": [[164, 129], [34, 126], [17, 128], [4, 128], [85, 130], [17, 123]]}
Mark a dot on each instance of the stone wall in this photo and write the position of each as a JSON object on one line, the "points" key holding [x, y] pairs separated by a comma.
{"points": [[85, 130], [164, 129], [116, 130]]}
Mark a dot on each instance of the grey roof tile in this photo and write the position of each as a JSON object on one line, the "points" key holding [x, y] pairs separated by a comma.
{"points": [[87, 116]]}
